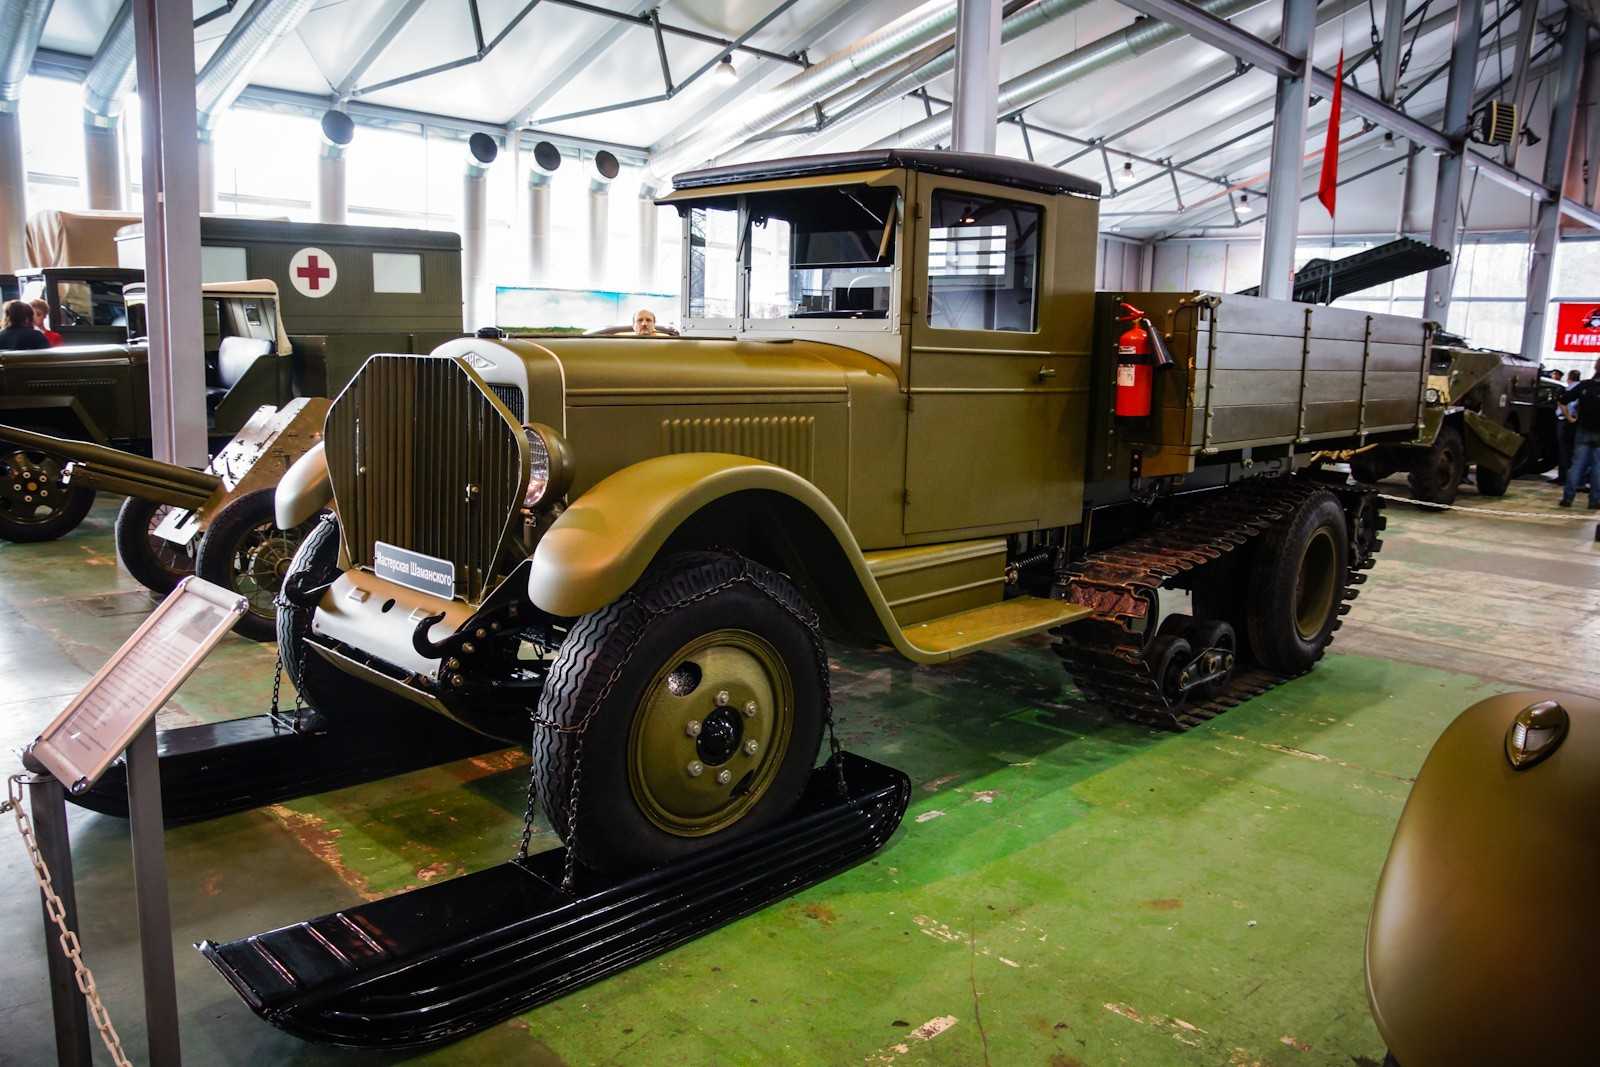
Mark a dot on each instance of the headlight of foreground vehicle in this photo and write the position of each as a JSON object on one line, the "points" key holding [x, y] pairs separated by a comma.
{"points": [[549, 465], [1431, 395]]}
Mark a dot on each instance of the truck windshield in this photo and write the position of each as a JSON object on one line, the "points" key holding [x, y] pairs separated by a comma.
{"points": [[822, 253]]}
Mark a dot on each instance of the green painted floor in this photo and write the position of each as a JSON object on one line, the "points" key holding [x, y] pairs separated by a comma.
{"points": [[1067, 888]]}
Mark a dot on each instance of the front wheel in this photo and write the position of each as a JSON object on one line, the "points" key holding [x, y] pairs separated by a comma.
{"points": [[36, 503], [688, 712], [243, 550], [1437, 476], [1297, 585]]}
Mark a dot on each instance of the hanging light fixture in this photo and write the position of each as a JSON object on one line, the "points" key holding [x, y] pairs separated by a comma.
{"points": [[1127, 168], [1244, 204], [726, 72]]}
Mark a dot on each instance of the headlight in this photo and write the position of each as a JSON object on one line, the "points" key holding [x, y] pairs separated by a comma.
{"points": [[549, 465], [1431, 395]]}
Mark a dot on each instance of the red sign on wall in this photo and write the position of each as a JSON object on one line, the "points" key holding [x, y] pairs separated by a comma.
{"points": [[1578, 328]]}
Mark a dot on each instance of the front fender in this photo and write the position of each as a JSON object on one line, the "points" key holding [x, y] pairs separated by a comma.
{"points": [[304, 489], [602, 544]]}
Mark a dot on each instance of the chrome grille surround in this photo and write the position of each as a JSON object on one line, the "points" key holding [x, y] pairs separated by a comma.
{"points": [[423, 456]]}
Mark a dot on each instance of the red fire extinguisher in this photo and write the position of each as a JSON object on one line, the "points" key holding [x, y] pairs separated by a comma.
{"points": [[1141, 351]]}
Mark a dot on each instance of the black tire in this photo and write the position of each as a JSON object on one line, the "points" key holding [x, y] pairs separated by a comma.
{"points": [[315, 563], [243, 550], [1169, 654], [155, 563], [1371, 467], [35, 504], [1492, 483], [1297, 585], [1436, 478], [686, 598]]}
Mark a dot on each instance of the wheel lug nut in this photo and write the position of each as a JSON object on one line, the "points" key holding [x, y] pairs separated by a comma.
{"points": [[695, 768], [692, 727], [750, 710], [722, 698], [751, 747], [724, 777]]}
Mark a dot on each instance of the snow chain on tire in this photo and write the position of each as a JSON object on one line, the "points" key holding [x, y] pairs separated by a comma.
{"points": [[807, 618]]}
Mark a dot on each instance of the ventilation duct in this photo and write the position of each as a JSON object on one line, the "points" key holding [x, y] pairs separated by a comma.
{"points": [[21, 24], [1046, 80], [482, 150], [546, 161], [105, 84], [337, 132], [905, 35], [603, 170]]}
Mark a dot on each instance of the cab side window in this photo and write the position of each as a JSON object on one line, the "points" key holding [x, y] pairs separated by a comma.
{"points": [[91, 303], [983, 263]]}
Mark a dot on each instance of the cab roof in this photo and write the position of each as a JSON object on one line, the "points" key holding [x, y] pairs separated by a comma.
{"points": [[1001, 170]]}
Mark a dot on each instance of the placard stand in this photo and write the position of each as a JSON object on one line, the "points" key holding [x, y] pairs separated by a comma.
{"points": [[115, 714]]}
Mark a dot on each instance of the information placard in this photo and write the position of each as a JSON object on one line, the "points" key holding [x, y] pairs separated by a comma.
{"points": [[136, 682]]}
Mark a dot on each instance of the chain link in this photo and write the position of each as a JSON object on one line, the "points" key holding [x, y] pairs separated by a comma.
{"points": [[57, 912], [577, 730]]}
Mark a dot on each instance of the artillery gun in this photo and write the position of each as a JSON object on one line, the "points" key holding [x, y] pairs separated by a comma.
{"points": [[899, 415]]}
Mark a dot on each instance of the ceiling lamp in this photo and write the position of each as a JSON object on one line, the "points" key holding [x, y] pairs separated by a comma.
{"points": [[727, 73], [1244, 204]]}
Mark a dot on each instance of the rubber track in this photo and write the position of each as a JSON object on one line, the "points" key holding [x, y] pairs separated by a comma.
{"points": [[1105, 655]]}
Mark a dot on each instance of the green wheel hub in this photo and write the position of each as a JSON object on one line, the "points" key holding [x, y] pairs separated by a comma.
{"points": [[1314, 584], [710, 733]]}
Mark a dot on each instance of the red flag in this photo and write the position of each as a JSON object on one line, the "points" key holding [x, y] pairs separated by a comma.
{"points": [[1328, 185]]}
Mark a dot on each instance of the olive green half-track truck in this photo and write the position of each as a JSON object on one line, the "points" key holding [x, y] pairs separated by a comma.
{"points": [[892, 420]]}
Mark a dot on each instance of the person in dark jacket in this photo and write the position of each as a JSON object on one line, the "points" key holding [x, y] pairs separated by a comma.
{"points": [[1586, 446], [19, 331]]}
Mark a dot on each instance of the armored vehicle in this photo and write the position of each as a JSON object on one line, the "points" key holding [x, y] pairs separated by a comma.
{"points": [[899, 415], [1485, 409], [1487, 897]]}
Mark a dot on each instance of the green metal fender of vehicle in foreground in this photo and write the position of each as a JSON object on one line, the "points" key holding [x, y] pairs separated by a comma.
{"points": [[1481, 945]]}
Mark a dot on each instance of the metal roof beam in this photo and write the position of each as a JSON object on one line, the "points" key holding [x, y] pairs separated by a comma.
{"points": [[380, 43], [1221, 34]]}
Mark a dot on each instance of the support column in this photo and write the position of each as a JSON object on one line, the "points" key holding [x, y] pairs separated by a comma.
{"points": [[1389, 49], [977, 75], [1288, 154], [13, 189], [603, 169], [102, 164], [649, 216], [205, 170], [164, 47], [1447, 190], [331, 184], [481, 151], [1547, 230], [546, 161]]}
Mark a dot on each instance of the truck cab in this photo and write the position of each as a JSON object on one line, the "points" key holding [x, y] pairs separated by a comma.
{"points": [[86, 303]]}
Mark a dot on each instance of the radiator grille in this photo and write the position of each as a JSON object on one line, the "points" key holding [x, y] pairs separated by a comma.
{"points": [[404, 442], [785, 440], [511, 397]]}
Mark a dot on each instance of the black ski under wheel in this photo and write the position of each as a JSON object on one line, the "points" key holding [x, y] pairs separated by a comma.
{"points": [[688, 712], [1298, 576], [35, 503], [243, 550], [155, 563], [1436, 478]]}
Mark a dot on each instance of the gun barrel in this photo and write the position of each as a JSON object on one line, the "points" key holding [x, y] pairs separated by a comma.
{"points": [[111, 461]]}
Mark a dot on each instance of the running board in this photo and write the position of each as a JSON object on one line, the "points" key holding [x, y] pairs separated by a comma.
{"points": [[219, 768], [448, 959]]}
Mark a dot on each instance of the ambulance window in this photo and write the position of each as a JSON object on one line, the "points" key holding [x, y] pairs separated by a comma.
{"points": [[983, 263], [396, 272], [221, 263]]}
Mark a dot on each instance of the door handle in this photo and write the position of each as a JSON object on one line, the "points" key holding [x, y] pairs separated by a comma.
{"points": [[1046, 373]]}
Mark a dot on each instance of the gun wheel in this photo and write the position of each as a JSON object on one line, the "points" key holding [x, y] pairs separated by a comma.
{"points": [[36, 503], [686, 713], [156, 563], [243, 550]]}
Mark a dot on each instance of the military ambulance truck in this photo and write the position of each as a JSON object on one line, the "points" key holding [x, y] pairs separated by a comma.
{"points": [[901, 415]]}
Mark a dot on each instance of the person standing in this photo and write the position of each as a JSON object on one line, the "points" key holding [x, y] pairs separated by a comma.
{"points": [[19, 331], [41, 316], [1586, 442], [1566, 431]]}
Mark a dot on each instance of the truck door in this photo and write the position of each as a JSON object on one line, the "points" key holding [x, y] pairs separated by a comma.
{"points": [[995, 428]]}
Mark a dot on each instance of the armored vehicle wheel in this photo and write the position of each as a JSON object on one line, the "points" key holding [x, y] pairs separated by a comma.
{"points": [[35, 504], [1492, 483], [1296, 583], [1437, 476], [156, 563], [244, 550], [1371, 467], [687, 713]]}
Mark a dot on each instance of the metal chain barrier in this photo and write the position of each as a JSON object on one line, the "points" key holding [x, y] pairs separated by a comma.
{"points": [[578, 729], [58, 912], [1423, 505]]}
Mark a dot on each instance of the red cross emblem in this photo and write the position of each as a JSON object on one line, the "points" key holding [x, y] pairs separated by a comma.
{"points": [[313, 272]]}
